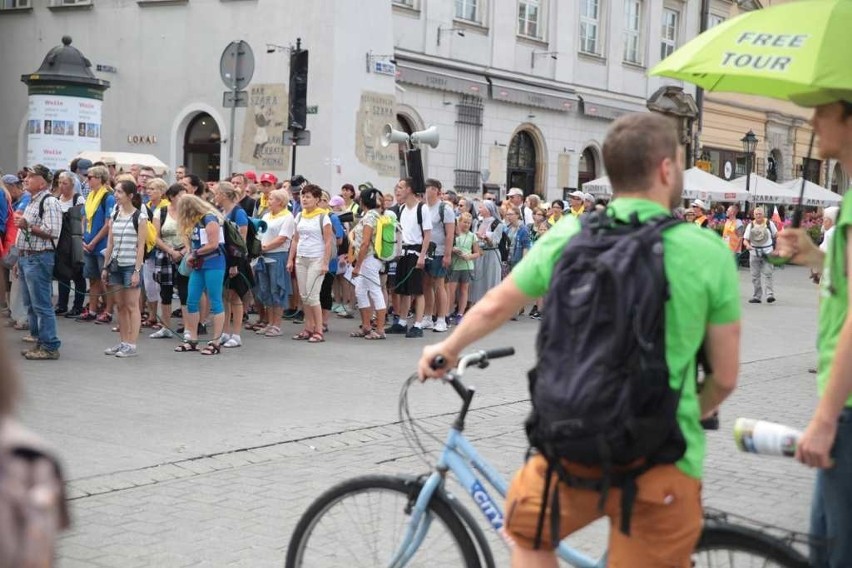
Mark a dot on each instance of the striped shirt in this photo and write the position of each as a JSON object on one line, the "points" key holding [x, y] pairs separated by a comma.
{"points": [[50, 223], [125, 237]]}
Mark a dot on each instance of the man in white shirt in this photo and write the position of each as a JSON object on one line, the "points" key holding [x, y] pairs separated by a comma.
{"points": [[516, 198], [443, 221], [416, 226], [759, 240]]}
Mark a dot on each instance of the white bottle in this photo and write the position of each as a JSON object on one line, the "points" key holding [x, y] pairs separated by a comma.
{"points": [[766, 438]]}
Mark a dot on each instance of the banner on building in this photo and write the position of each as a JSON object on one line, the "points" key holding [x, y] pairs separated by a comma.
{"points": [[263, 127], [60, 127], [376, 110]]}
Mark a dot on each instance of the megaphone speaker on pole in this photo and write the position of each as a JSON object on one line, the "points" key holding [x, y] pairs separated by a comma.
{"points": [[391, 136], [429, 136]]}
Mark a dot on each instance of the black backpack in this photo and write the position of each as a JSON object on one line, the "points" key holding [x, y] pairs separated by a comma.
{"points": [[69, 246], [505, 242], [600, 390]]}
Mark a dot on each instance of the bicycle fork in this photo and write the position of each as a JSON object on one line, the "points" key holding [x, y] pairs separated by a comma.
{"points": [[419, 522]]}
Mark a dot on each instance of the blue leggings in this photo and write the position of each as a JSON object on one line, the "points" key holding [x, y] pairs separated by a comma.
{"points": [[212, 280]]}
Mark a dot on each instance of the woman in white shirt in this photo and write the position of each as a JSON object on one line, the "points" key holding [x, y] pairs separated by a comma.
{"points": [[273, 279], [309, 255], [123, 256]]}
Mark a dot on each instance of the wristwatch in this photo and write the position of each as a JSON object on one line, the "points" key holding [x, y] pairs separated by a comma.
{"points": [[137, 270]]}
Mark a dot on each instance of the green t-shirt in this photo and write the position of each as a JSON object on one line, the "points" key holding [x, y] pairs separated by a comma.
{"points": [[834, 289], [704, 289]]}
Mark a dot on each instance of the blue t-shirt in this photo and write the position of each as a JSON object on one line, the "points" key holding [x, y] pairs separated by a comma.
{"points": [[339, 233], [23, 201], [214, 260], [98, 221], [239, 216], [4, 211]]}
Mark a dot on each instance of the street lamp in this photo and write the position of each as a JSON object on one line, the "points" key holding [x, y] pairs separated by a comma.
{"points": [[749, 146]]}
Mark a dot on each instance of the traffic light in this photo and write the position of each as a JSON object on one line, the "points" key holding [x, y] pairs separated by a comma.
{"points": [[298, 103]]}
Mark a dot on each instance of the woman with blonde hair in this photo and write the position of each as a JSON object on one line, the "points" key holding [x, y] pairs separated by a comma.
{"points": [[201, 227], [273, 278]]}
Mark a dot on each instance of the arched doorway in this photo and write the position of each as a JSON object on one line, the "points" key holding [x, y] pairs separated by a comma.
{"points": [[774, 165], [521, 162], [839, 181], [202, 147], [403, 124], [588, 169]]}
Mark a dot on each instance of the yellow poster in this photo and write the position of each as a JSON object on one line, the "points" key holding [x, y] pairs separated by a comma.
{"points": [[376, 110], [265, 120]]}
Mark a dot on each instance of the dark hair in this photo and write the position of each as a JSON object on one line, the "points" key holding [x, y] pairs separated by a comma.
{"points": [[99, 163], [73, 165], [129, 188], [313, 189], [348, 187], [409, 182], [560, 203], [634, 146], [370, 198], [196, 182], [174, 190], [238, 175], [434, 183]]}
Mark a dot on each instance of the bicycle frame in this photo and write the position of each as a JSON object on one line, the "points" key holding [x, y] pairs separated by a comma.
{"points": [[461, 458]]}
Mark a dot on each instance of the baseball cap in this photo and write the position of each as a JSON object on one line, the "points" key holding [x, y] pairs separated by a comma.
{"points": [[267, 177], [43, 171], [577, 195], [588, 197], [820, 97], [251, 176], [336, 201], [515, 191], [83, 166], [700, 204], [11, 179], [298, 180]]}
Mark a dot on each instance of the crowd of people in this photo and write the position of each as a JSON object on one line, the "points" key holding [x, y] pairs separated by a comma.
{"points": [[153, 252]]}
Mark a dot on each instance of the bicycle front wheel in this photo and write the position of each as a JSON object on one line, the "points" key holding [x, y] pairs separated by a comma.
{"points": [[725, 545], [362, 522]]}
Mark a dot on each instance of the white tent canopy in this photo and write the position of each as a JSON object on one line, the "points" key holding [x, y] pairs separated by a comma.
{"points": [[762, 190], [123, 160], [697, 184], [815, 195]]}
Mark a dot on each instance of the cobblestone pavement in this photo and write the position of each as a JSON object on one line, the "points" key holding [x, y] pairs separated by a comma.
{"points": [[178, 460]]}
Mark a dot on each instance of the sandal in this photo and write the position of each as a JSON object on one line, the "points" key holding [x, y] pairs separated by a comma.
{"points": [[256, 326], [149, 323], [360, 332], [211, 349], [272, 331], [316, 337], [187, 346], [116, 329], [325, 328], [302, 335], [375, 335]]}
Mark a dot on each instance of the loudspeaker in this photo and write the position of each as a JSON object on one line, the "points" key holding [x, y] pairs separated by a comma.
{"points": [[391, 136], [297, 108], [429, 136]]}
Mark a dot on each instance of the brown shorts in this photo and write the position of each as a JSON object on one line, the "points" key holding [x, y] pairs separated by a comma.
{"points": [[664, 527]]}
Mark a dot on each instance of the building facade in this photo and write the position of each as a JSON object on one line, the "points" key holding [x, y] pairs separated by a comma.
{"points": [[521, 92]]}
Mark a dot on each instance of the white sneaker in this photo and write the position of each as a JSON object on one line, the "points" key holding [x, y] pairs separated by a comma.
{"points": [[440, 326], [186, 336], [233, 341], [126, 351], [162, 333], [427, 323], [111, 351], [224, 338]]}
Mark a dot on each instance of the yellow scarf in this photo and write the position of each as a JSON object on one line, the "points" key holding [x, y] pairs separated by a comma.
{"points": [[317, 211], [263, 204], [93, 201], [578, 212], [281, 213]]}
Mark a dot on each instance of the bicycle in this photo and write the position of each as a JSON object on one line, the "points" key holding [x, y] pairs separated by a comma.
{"points": [[396, 521]]}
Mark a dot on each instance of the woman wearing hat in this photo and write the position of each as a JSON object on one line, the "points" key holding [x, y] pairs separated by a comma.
{"points": [[699, 208]]}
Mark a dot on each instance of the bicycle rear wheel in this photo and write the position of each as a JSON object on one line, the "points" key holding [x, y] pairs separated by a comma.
{"points": [[725, 545], [362, 522]]}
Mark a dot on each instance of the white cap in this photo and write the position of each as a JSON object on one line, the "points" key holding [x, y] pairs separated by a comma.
{"points": [[700, 204], [577, 194], [515, 191], [831, 213], [588, 197]]}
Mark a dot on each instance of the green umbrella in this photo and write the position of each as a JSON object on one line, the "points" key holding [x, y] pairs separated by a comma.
{"points": [[797, 51]]}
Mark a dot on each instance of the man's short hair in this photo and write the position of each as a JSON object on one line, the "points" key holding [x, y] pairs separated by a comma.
{"points": [[634, 146], [409, 182], [434, 183], [148, 169]]}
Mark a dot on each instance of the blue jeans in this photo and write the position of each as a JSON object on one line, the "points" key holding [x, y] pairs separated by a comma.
{"points": [[36, 272], [831, 511]]}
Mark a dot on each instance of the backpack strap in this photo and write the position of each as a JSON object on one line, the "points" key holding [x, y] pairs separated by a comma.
{"points": [[420, 217], [41, 214]]}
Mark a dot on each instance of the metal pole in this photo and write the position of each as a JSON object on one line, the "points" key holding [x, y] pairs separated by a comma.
{"points": [[748, 179], [231, 136], [293, 160]]}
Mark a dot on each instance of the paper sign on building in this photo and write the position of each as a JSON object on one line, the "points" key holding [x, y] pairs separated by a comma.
{"points": [[265, 120], [376, 110]]}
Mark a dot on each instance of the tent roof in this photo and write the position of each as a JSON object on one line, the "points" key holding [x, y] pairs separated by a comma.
{"points": [[762, 190], [814, 194], [123, 160]]}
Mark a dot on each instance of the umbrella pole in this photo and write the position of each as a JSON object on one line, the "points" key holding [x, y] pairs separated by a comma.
{"points": [[798, 213]]}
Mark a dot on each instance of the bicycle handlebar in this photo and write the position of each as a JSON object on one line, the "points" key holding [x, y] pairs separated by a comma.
{"points": [[476, 358]]}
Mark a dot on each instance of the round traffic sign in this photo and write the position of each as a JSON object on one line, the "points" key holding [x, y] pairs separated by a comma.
{"points": [[237, 65]]}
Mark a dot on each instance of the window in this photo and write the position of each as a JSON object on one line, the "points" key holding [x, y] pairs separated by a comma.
{"points": [[713, 20], [406, 3], [62, 3], [590, 12], [468, 10], [469, 143], [633, 31], [13, 4], [669, 36], [529, 16]]}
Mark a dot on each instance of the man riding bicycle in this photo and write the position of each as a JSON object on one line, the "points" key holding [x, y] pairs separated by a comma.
{"points": [[643, 158]]}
